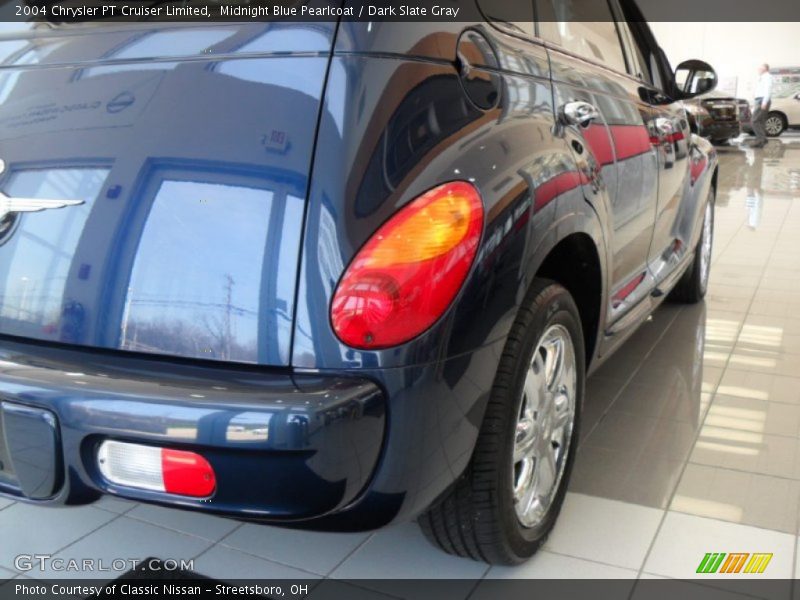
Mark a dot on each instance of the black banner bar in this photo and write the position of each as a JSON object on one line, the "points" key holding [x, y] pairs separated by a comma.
{"points": [[708, 587], [446, 11]]}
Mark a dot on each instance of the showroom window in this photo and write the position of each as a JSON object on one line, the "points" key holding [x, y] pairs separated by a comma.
{"points": [[584, 27]]}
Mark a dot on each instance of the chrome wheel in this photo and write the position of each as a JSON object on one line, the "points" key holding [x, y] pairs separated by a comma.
{"points": [[544, 425], [773, 125], [705, 245]]}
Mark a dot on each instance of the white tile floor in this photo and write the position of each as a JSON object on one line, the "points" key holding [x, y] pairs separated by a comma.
{"points": [[691, 442]]}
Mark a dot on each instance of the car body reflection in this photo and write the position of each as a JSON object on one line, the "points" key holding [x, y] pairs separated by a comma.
{"points": [[139, 266]]}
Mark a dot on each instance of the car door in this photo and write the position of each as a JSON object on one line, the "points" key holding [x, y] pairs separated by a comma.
{"points": [[589, 66], [670, 137]]}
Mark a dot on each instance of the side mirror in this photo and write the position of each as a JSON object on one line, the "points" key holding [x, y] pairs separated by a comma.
{"points": [[797, 96], [693, 78]]}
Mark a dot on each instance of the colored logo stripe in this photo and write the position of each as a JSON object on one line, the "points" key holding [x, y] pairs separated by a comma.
{"points": [[721, 562], [758, 562], [711, 562], [734, 562]]}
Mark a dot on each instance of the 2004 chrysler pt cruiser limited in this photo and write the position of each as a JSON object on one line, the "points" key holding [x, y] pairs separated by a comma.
{"points": [[335, 275]]}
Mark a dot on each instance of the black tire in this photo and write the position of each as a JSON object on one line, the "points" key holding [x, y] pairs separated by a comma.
{"points": [[784, 124], [692, 286], [476, 518]]}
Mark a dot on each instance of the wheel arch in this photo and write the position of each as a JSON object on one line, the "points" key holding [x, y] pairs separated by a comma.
{"points": [[714, 178], [783, 116], [576, 260]]}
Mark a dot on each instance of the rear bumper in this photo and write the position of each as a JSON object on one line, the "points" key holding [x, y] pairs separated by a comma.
{"points": [[721, 130], [282, 446], [339, 451]]}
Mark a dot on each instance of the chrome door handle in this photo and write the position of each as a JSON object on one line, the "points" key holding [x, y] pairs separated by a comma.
{"points": [[665, 126], [578, 113]]}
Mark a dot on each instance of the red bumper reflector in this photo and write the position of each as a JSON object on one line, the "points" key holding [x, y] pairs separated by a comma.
{"points": [[187, 473]]}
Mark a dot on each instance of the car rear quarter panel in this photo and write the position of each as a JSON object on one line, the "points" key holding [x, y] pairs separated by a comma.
{"points": [[703, 168], [394, 127]]}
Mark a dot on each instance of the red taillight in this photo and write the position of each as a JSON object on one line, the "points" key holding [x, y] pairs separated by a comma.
{"points": [[409, 271]]}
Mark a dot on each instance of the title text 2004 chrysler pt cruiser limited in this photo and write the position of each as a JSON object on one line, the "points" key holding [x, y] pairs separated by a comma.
{"points": [[335, 275]]}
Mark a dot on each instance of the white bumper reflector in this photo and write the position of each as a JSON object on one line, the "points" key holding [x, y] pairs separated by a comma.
{"points": [[131, 465]]}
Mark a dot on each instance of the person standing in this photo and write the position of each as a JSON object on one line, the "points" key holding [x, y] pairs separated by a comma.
{"points": [[763, 99]]}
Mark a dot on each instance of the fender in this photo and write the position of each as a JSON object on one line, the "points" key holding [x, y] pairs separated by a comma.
{"points": [[579, 218], [704, 166], [586, 222]]}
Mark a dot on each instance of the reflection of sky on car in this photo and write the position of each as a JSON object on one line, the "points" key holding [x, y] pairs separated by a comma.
{"points": [[186, 275], [286, 72], [137, 50], [20, 52], [160, 44], [38, 257], [179, 254], [171, 200]]}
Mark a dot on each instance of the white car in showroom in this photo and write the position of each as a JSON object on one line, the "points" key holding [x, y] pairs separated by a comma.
{"points": [[783, 114]]}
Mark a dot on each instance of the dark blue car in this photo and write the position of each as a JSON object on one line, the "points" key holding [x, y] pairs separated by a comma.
{"points": [[334, 275]]}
